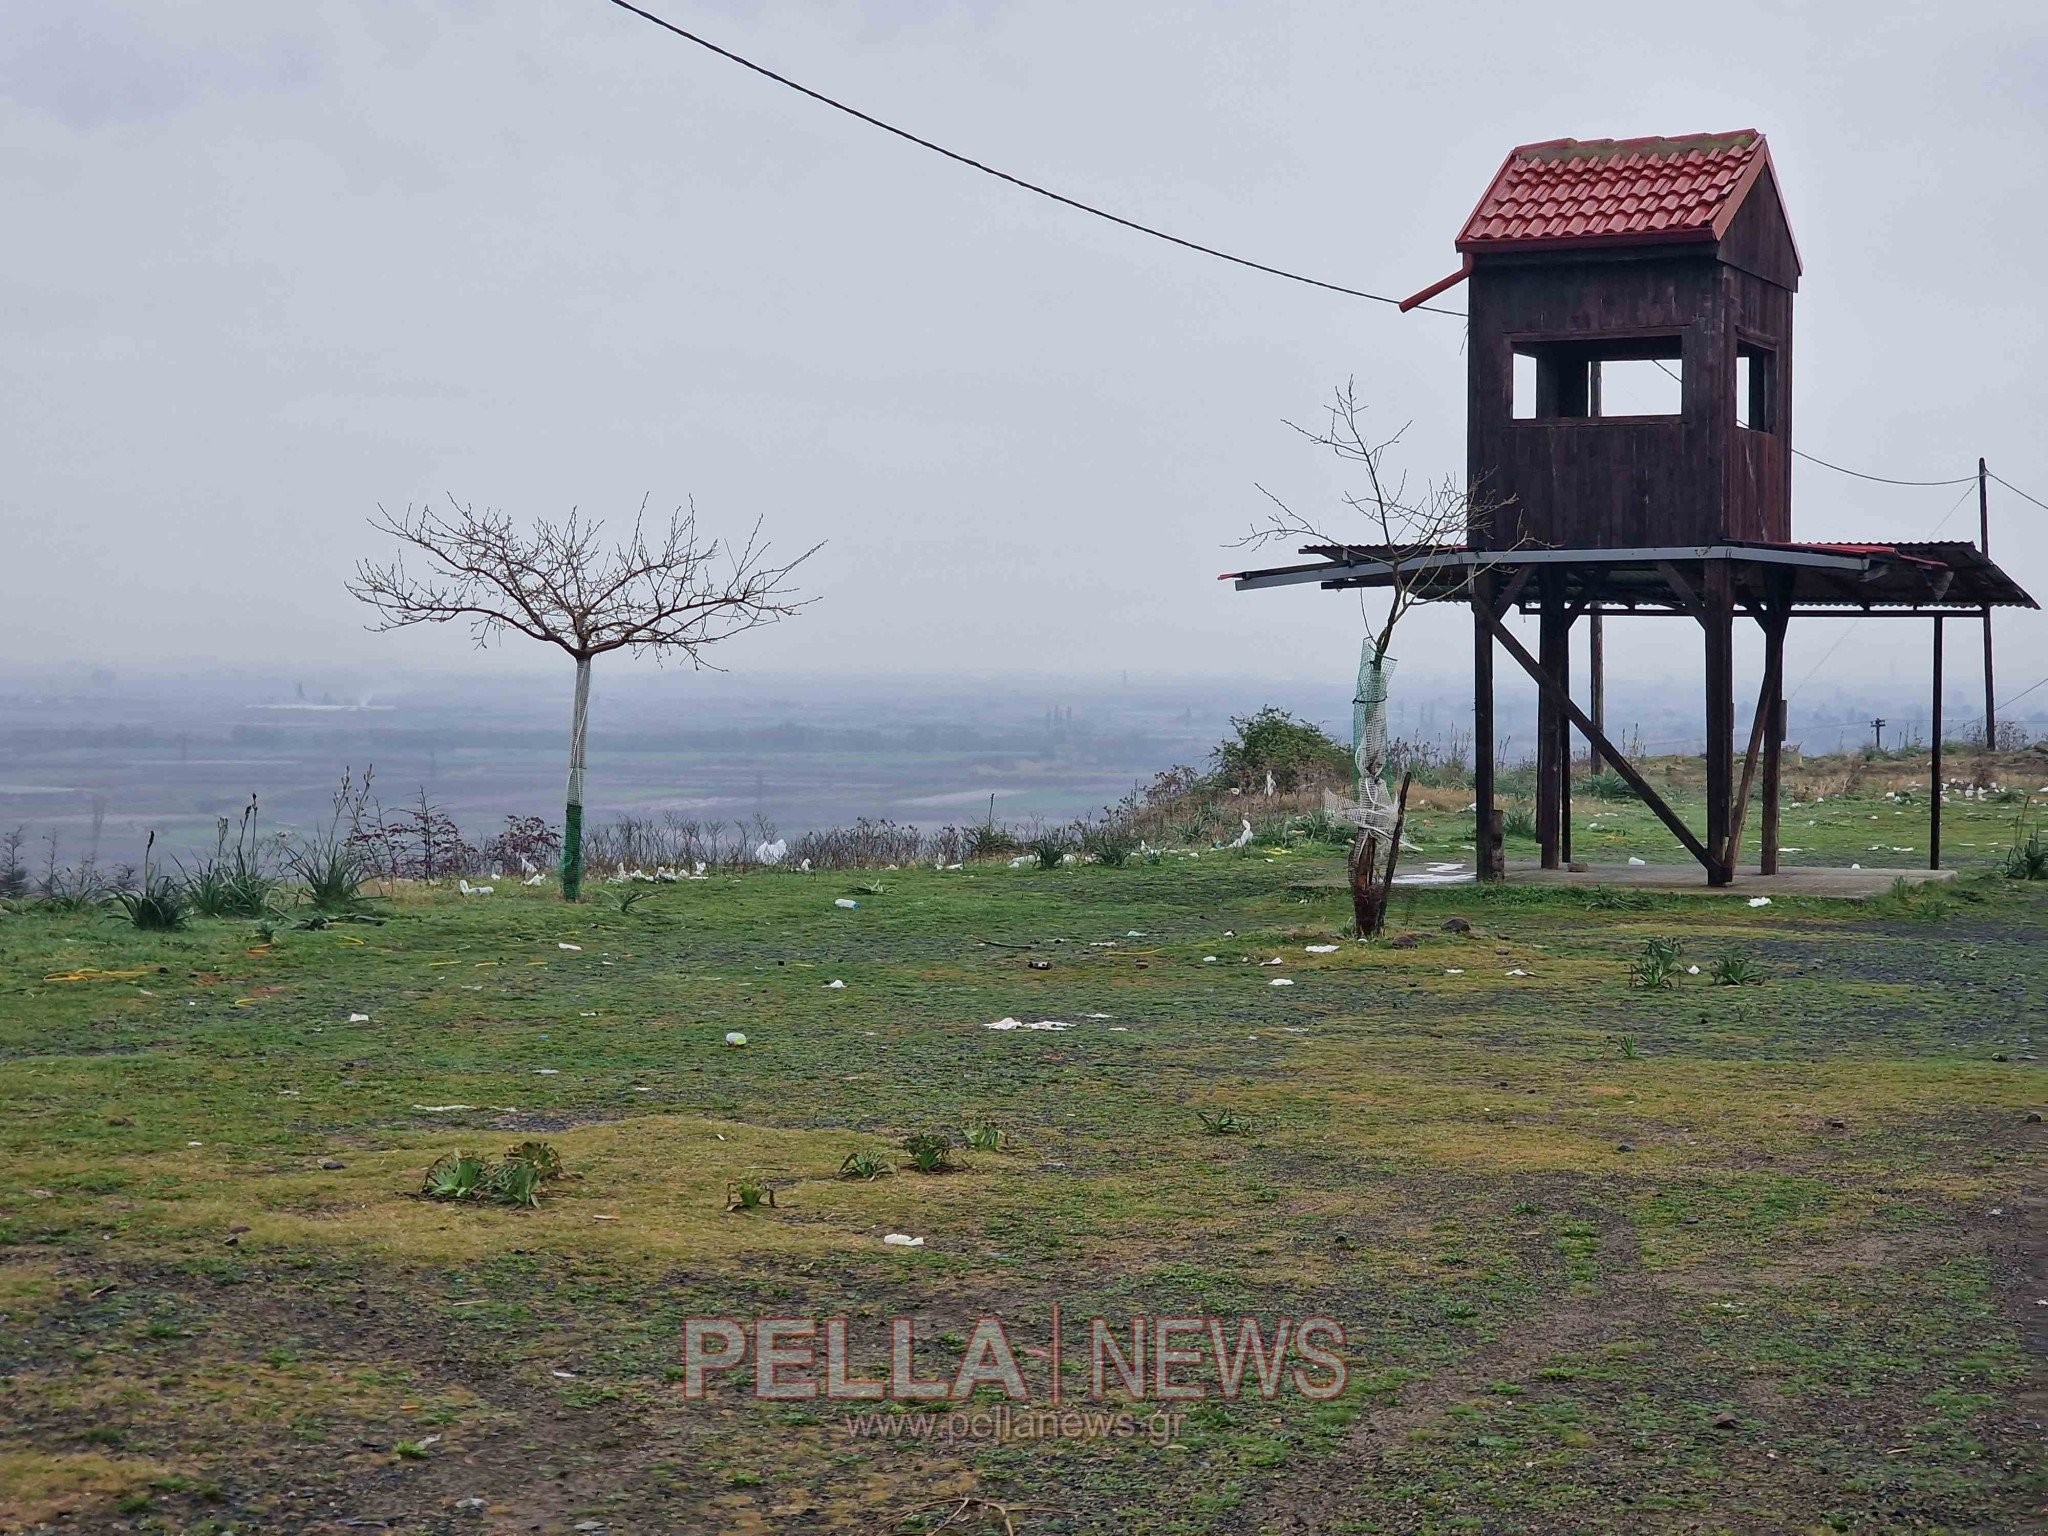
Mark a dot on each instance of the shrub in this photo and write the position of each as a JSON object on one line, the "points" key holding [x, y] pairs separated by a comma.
{"points": [[1518, 821], [1294, 752], [989, 841], [983, 1137]]}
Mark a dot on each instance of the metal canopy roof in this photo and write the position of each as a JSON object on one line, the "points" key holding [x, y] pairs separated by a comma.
{"points": [[1933, 578]]}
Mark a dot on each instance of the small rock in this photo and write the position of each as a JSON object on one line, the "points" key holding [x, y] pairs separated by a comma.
{"points": [[1688, 1221], [1403, 941], [472, 1505], [1456, 925], [1039, 965], [1577, 867], [119, 1120], [588, 1525], [332, 1164], [2033, 1117], [240, 1226], [1340, 1241], [1838, 1125], [2001, 1056], [1725, 1421], [1624, 1146], [232, 1242]]}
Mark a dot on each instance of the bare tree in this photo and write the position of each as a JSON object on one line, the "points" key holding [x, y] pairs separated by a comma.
{"points": [[1403, 527], [672, 593], [1401, 524]]}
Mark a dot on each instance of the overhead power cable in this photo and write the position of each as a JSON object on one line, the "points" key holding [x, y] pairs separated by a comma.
{"points": [[1016, 181], [1146, 229], [1883, 479]]}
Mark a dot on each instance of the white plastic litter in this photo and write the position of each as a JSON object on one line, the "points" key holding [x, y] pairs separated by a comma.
{"points": [[1208, 959], [1276, 960], [734, 1037], [1456, 970], [547, 1071], [1638, 863], [1321, 949], [1692, 970], [846, 901], [359, 1018], [577, 947], [1243, 838], [1518, 971], [428, 1109], [1009, 1023], [472, 890], [1280, 981], [535, 880], [1022, 859], [903, 1240], [835, 986], [1759, 901], [771, 853]]}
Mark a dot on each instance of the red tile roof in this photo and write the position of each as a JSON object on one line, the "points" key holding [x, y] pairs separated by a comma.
{"points": [[1639, 191]]}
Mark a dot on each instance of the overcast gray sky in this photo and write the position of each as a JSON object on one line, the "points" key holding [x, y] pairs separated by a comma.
{"points": [[268, 266]]}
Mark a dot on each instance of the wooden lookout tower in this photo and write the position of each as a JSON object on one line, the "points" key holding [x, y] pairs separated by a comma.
{"points": [[1629, 452]]}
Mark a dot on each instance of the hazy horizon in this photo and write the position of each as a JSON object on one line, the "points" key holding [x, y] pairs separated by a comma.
{"points": [[274, 266]]}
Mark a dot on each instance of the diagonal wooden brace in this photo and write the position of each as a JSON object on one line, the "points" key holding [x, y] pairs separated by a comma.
{"points": [[1606, 748]]}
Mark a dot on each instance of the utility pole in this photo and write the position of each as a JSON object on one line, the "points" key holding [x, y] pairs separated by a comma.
{"points": [[1877, 728], [1984, 546]]}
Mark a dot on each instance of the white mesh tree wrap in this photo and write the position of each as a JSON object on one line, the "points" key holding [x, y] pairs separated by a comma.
{"points": [[1372, 806]]}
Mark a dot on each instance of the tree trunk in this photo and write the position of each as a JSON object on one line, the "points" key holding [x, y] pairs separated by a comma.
{"points": [[572, 820], [1366, 907]]}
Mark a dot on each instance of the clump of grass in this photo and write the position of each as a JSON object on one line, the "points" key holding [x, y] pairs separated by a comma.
{"points": [[160, 905], [1656, 969], [1519, 822], [930, 1151], [983, 1137], [1606, 785], [748, 1194], [864, 1165], [1223, 1122], [1629, 1046], [233, 881], [514, 1180], [1112, 845], [989, 841], [1050, 849], [2026, 861], [1737, 971], [156, 903]]}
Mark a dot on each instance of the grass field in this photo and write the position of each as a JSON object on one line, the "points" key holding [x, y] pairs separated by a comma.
{"points": [[1710, 1258]]}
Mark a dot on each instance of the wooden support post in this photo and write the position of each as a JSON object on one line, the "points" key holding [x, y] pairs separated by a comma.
{"points": [[1482, 728], [1622, 765], [1934, 767], [1596, 664], [1774, 747], [1719, 622], [1551, 773], [1759, 733], [1984, 544]]}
